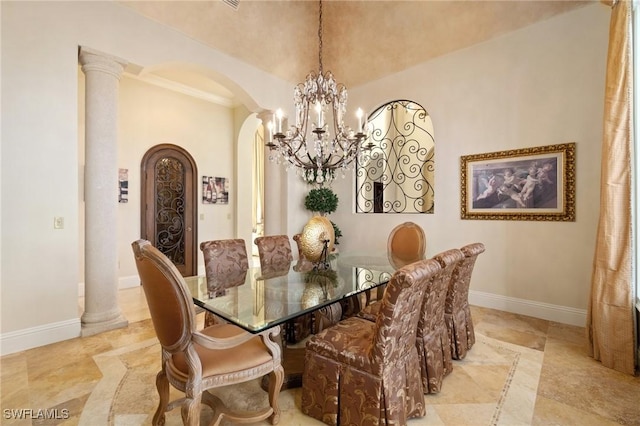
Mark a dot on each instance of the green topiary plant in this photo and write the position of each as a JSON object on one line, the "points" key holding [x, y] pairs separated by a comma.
{"points": [[336, 232], [324, 201], [321, 200]]}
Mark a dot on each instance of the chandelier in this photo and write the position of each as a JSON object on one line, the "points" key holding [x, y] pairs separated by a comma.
{"points": [[319, 144]]}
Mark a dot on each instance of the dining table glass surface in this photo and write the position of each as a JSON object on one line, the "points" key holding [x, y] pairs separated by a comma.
{"points": [[259, 298]]}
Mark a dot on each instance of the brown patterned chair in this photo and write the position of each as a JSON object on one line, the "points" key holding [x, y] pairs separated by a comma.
{"points": [[360, 372], [434, 347], [274, 252], [195, 361], [303, 263], [274, 249], [457, 313], [225, 261]]}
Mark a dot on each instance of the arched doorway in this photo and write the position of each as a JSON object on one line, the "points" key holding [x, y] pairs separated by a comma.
{"points": [[169, 194]]}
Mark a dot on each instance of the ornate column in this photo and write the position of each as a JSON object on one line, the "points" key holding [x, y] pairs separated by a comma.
{"points": [[102, 75], [273, 182]]}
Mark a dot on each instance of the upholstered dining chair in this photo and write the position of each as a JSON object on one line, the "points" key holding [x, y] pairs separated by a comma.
{"points": [[274, 252], [274, 249], [361, 372], [457, 313], [223, 260], [434, 347], [194, 361], [406, 244]]}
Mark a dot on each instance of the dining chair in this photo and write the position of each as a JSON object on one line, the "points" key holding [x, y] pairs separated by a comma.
{"points": [[406, 244], [457, 313], [194, 361], [434, 347], [275, 251], [361, 372], [223, 259]]}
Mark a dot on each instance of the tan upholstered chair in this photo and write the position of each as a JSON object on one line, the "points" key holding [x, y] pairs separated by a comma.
{"points": [[457, 313], [194, 362], [225, 263], [433, 343], [361, 372], [406, 244]]}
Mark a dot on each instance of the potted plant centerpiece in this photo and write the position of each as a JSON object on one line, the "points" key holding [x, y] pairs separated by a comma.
{"points": [[323, 201]]}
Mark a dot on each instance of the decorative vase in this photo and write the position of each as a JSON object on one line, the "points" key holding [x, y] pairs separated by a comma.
{"points": [[315, 234]]}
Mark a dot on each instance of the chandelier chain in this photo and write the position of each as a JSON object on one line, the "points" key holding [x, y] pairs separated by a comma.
{"points": [[319, 143], [320, 37]]}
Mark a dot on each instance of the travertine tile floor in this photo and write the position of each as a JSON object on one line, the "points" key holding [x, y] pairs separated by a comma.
{"points": [[521, 371]]}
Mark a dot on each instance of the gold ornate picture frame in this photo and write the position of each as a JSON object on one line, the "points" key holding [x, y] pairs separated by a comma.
{"points": [[520, 184]]}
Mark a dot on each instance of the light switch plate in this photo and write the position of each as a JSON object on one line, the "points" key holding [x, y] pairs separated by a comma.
{"points": [[58, 222]]}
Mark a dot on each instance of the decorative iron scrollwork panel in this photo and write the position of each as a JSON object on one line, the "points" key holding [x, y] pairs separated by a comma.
{"points": [[170, 209], [397, 174]]}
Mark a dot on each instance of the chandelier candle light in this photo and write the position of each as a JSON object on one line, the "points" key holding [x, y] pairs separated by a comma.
{"points": [[311, 148]]}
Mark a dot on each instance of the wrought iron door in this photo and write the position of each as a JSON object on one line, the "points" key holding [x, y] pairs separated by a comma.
{"points": [[169, 204]]}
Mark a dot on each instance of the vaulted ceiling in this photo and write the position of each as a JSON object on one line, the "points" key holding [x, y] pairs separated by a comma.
{"points": [[363, 40]]}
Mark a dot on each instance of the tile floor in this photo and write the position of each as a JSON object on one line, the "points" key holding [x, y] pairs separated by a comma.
{"points": [[521, 371]]}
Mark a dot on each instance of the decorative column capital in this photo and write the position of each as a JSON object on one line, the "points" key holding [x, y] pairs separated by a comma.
{"points": [[265, 116], [93, 60]]}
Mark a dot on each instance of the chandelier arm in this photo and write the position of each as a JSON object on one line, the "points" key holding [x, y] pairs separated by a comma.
{"points": [[317, 147]]}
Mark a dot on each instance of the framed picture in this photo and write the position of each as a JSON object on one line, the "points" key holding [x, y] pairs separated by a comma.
{"points": [[520, 184], [123, 185], [215, 190]]}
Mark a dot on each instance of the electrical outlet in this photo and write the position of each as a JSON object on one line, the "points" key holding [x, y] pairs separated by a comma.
{"points": [[58, 222]]}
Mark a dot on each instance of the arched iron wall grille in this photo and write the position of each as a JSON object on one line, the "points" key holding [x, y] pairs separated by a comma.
{"points": [[397, 175]]}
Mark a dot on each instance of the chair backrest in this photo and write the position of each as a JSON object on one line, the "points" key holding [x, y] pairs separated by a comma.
{"points": [[399, 312], [433, 305], [224, 256], [406, 244], [458, 293], [296, 238], [225, 264], [274, 249], [170, 303]]}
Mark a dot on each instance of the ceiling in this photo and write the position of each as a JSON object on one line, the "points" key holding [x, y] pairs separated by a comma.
{"points": [[363, 40]]}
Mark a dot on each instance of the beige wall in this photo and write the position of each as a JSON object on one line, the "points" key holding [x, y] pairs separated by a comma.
{"points": [[41, 134], [537, 86], [541, 85]]}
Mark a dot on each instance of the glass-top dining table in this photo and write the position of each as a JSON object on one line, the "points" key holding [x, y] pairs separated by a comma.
{"points": [[258, 299]]}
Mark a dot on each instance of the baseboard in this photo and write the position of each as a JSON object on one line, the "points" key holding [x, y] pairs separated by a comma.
{"points": [[547, 311], [16, 341]]}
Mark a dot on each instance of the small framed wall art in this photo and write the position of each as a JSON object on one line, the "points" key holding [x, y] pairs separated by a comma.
{"points": [[215, 190]]}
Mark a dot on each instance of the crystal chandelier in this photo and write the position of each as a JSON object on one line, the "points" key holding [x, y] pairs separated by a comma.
{"points": [[317, 147]]}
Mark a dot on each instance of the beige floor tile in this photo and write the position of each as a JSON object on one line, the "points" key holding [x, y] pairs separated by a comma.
{"points": [[521, 370]]}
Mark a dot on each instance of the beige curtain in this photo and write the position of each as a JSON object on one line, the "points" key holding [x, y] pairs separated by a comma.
{"points": [[610, 318]]}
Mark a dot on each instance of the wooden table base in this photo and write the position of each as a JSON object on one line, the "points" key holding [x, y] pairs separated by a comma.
{"points": [[293, 364]]}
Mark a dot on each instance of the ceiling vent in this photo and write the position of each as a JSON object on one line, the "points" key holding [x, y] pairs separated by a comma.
{"points": [[235, 4]]}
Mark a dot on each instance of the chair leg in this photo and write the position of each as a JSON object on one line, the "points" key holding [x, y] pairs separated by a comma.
{"points": [[276, 378], [162, 384], [191, 410]]}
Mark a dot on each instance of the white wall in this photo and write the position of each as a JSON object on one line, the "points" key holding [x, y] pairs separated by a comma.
{"points": [[541, 85], [40, 266]]}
